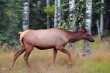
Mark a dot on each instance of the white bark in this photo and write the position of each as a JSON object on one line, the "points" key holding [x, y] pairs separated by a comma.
{"points": [[98, 29], [72, 14], [26, 12], [101, 24], [48, 3], [72, 19], [57, 16], [101, 19], [88, 22]]}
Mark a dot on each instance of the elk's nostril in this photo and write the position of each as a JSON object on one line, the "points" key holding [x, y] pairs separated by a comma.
{"points": [[92, 40]]}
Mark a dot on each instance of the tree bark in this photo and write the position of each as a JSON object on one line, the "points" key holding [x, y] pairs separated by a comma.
{"points": [[98, 29], [57, 16], [88, 22], [72, 19], [48, 4], [72, 15], [26, 11], [101, 20]]}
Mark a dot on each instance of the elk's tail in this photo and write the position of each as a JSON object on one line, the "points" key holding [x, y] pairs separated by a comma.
{"points": [[22, 35]]}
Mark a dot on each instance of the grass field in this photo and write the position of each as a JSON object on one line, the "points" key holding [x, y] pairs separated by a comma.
{"points": [[41, 61]]}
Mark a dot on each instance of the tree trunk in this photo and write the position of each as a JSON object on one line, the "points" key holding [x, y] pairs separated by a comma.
{"points": [[26, 11], [88, 22], [57, 16], [48, 4], [72, 15], [98, 29], [72, 19], [101, 20]]}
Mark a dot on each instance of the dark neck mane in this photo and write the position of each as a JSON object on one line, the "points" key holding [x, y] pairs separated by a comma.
{"points": [[73, 36]]}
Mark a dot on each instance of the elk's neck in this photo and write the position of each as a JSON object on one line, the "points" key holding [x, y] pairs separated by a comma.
{"points": [[74, 36]]}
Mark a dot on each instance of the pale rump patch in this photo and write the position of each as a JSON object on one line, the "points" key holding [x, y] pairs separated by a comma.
{"points": [[22, 34]]}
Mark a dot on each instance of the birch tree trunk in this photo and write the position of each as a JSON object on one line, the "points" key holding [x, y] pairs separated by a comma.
{"points": [[88, 22], [48, 4], [26, 11], [101, 20], [57, 16], [98, 29], [72, 15], [72, 19]]}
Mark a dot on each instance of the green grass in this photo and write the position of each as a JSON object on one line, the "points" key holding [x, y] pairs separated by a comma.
{"points": [[98, 44], [95, 67]]}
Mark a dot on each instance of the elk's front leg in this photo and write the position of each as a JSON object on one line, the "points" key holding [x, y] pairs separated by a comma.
{"points": [[68, 54], [54, 55]]}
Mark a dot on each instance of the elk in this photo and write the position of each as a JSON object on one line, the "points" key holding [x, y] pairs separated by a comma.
{"points": [[52, 38]]}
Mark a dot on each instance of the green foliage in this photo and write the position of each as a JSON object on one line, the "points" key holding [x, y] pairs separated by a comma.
{"points": [[65, 14], [10, 19], [37, 14], [98, 8], [11, 16], [65, 10], [49, 10], [80, 7], [79, 13]]}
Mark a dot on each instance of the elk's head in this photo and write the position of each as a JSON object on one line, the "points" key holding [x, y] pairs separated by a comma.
{"points": [[86, 35]]}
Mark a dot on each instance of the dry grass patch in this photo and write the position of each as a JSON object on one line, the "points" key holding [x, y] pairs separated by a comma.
{"points": [[41, 61]]}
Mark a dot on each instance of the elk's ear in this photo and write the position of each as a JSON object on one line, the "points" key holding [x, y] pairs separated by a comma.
{"points": [[82, 29]]}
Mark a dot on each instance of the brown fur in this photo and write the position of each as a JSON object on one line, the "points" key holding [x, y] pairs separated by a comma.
{"points": [[52, 38]]}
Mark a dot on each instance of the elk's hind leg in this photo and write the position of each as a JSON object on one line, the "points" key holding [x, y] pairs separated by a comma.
{"points": [[17, 54], [28, 50]]}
